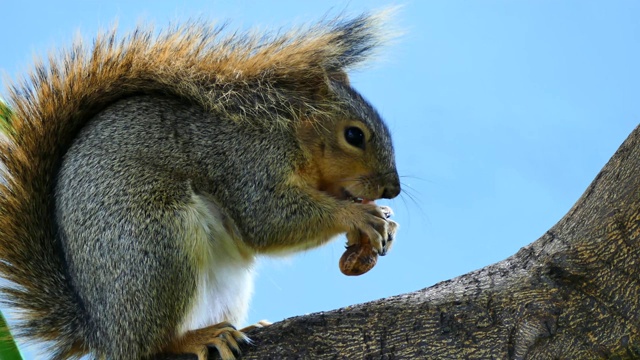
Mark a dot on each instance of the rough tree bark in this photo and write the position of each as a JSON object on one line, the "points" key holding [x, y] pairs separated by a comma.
{"points": [[572, 294]]}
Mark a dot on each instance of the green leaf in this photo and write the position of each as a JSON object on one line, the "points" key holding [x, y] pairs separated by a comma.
{"points": [[8, 348], [5, 117]]}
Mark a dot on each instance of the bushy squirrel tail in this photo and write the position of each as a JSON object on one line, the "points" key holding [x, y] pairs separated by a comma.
{"points": [[47, 110], [30, 258]]}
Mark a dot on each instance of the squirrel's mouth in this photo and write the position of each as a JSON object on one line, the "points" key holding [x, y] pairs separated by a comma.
{"points": [[346, 195]]}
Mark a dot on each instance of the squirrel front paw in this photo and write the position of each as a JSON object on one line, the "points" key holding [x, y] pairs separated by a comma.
{"points": [[392, 228], [380, 231], [362, 251]]}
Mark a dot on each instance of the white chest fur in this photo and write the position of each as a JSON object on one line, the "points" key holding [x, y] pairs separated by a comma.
{"points": [[224, 271]]}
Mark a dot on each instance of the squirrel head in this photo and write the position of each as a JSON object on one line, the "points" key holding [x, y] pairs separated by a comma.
{"points": [[351, 155]]}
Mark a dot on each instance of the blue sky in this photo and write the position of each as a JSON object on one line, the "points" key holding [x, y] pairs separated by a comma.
{"points": [[502, 113]]}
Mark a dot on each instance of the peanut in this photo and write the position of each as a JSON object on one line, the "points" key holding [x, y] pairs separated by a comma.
{"points": [[358, 258]]}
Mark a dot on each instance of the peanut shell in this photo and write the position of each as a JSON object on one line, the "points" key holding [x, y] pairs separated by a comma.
{"points": [[358, 258]]}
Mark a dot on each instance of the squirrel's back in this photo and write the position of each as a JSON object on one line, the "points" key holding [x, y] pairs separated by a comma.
{"points": [[137, 161]]}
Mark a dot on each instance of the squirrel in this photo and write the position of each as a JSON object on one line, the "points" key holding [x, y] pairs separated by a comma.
{"points": [[144, 174]]}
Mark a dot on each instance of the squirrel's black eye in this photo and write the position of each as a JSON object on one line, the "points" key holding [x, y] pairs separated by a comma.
{"points": [[354, 136]]}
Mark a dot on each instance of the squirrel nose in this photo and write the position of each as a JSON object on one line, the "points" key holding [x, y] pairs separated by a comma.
{"points": [[392, 190]]}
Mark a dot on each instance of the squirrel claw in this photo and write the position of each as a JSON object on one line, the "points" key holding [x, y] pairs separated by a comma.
{"points": [[391, 234], [224, 337], [381, 244], [259, 324], [386, 211]]}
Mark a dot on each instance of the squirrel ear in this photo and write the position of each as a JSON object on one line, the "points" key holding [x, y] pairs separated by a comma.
{"points": [[307, 61], [326, 86], [340, 76]]}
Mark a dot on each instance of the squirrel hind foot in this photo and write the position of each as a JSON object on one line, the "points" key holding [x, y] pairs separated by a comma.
{"points": [[223, 336], [259, 324]]}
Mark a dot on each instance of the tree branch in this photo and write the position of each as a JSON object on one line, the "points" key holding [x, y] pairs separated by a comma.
{"points": [[573, 293]]}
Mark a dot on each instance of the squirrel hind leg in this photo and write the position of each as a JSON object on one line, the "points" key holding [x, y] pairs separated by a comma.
{"points": [[223, 336]]}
